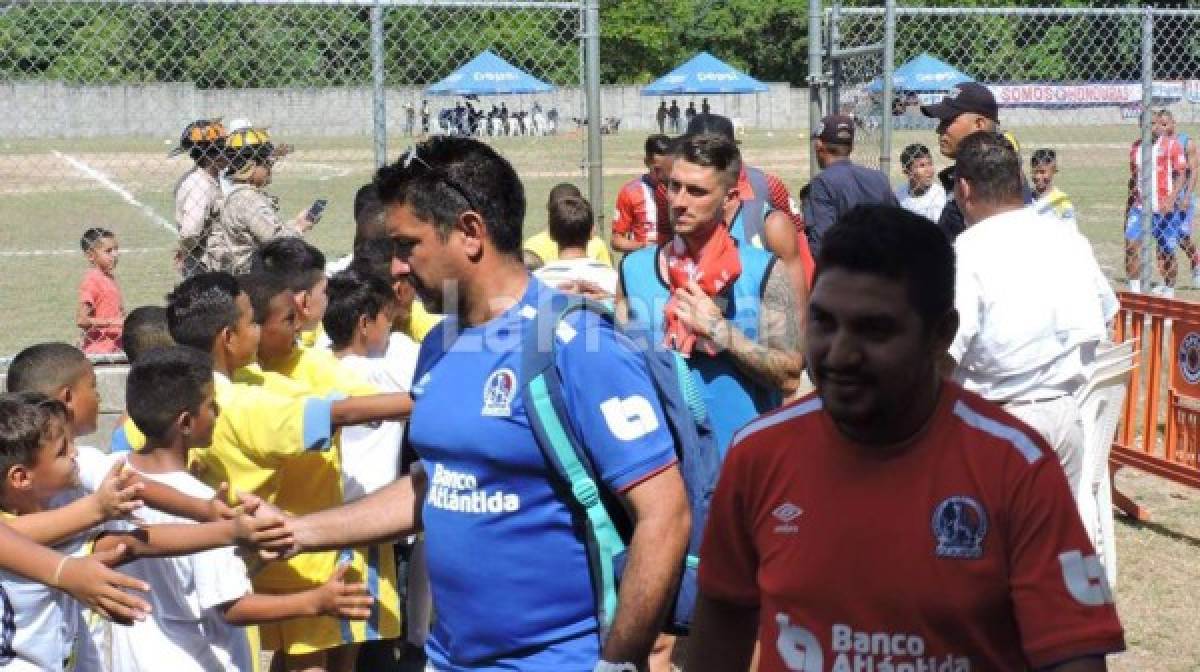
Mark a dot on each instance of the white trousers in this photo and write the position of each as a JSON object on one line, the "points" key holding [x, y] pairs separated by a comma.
{"points": [[1060, 424]]}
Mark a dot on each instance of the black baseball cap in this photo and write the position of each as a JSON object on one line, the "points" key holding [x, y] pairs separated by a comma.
{"points": [[971, 97], [710, 123], [835, 129]]}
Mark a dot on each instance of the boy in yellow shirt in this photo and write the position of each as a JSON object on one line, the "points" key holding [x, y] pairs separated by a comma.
{"points": [[264, 442], [540, 249], [302, 268], [318, 477]]}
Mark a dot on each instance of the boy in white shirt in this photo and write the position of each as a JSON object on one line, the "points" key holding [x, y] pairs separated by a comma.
{"points": [[922, 193], [37, 461], [358, 321], [395, 370], [200, 600]]}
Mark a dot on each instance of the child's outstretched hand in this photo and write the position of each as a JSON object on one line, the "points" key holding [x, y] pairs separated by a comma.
{"points": [[117, 495], [104, 590], [344, 600]]}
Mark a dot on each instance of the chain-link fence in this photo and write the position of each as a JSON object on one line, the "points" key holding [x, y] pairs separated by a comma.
{"points": [[95, 94], [855, 52], [1079, 86]]}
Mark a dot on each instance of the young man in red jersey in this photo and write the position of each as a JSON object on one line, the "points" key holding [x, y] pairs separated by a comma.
{"points": [[894, 516], [642, 202]]}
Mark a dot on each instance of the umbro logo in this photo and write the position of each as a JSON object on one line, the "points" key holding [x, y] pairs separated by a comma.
{"points": [[786, 513]]}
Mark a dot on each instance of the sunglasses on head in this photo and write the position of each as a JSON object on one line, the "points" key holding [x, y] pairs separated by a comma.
{"points": [[411, 159]]}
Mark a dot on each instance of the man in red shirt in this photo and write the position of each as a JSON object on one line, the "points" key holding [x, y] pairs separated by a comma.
{"points": [[893, 516], [642, 202]]}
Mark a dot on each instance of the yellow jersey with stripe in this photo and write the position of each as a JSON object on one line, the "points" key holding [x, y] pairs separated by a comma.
{"points": [[257, 433], [127, 438], [313, 483]]}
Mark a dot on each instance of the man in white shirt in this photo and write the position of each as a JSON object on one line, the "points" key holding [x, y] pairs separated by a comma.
{"points": [[922, 194], [1030, 297], [570, 227]]}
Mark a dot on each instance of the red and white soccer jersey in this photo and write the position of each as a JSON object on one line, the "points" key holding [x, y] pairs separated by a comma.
{"points": [[1170, 165], [963, 552], [641, 211]]}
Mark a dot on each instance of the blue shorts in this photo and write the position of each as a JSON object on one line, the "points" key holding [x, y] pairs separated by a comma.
{"points": [[1186, 217], [1166, 229]]}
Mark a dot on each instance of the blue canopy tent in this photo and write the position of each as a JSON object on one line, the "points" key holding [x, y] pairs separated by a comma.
{"points": [[704, 74], [485, 75], [923, 74]]}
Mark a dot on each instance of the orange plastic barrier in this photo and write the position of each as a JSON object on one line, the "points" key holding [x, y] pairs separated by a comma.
{"points": [[1164, 390]]}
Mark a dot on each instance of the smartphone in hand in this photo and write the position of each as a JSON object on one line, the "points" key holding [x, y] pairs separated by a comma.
{"points": [[316, 210]]}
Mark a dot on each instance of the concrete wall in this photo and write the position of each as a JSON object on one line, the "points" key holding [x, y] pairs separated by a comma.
{"points": [[110, 382], [56, 110]]}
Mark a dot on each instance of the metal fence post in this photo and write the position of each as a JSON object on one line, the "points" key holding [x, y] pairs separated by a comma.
{"points": [[814, 78], [378, 92], [595, 161], [834, 89], [889, 66], [1146, 174]]}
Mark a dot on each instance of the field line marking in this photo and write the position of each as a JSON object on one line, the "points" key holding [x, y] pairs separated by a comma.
{"points": [[108, 183], [336, 171]]}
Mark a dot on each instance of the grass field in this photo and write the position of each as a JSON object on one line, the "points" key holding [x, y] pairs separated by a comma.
{"points": [[47, 198]]}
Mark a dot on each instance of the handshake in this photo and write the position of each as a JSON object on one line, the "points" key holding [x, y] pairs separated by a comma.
{"points": [[264, 532]]}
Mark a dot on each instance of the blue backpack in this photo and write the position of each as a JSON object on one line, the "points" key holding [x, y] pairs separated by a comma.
{"points": [[605, 522]]}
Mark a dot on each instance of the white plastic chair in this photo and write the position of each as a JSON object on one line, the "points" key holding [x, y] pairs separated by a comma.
{"points": [[1100, 402]]}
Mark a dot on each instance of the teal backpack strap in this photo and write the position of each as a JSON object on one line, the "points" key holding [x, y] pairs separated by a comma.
{"points": [[542, 395]]}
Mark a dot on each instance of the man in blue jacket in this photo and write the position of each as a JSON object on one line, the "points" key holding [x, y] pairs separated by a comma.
{"points": [[841, 184]]}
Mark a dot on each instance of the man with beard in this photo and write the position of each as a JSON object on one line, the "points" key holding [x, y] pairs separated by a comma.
{"points": [[893, 515], [454, 214], [729, 309]]}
